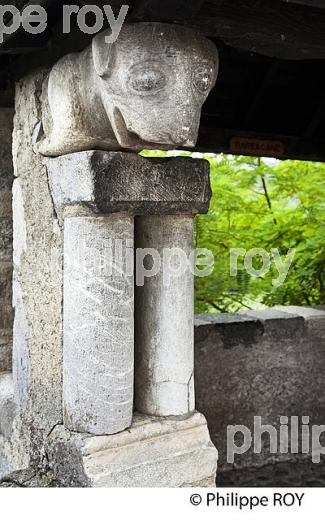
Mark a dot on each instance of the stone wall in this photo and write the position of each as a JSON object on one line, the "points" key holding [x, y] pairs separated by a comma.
{"points": [[6, 178], [264, 363], [37, 285]]}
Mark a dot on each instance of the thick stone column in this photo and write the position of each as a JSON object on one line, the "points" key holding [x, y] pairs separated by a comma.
{"points": [[98, 295], [98, 332], [165, 318]]}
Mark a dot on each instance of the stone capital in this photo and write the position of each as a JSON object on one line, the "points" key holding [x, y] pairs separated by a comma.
{"points": [[108, 182]]}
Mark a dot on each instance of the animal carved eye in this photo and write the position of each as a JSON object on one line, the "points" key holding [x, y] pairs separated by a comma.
{"points": [[203, 80], [145, 81]]}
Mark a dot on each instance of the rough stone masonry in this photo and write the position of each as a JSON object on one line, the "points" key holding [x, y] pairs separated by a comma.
{"points": [[6, 179]]}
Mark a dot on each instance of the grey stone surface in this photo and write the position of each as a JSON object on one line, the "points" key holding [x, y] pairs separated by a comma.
{"points": [[106, 182], [7, 405], [314, 318], [279, 324], [37, 358], [169, 452], [6, 178], [5, 349], [13, 440], [228, 330], [6, 314], [6, 169], [281, 474], [29, 478], [98, 339], [164, 317], [144, 90], [262, 363]]}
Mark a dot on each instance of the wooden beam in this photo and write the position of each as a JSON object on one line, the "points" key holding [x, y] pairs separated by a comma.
{"points": [[53, 9], [276, 28], [166, 10], [270, 27], [218, 140], [316, 120], [310, 3], [268, 79]]}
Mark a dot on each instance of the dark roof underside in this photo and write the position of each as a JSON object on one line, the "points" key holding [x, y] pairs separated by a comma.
{"points": [[270, 94]]}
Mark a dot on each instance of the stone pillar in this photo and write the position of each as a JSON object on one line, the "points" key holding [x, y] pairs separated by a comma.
{"points": [[98, 333], [164, 369], [6, 178], [164, 195], [37, 285], [165, 319], [98, 296], [87, 199]]}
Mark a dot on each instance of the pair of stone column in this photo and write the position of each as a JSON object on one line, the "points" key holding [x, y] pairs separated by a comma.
{"points": [[128, 226]]}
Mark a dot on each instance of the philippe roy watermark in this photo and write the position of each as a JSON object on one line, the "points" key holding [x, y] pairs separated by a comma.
{"points": [[90, 19], [292, 436], [115, 255], [282, 267]]}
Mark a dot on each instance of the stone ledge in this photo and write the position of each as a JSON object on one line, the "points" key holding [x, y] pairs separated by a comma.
{"points": [[154, 452], [111, 182], [279, 325], [248, 327], [305, 312], [231, 330]]}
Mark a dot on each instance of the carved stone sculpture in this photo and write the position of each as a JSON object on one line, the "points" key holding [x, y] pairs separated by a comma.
{"points": [[145, 90]]}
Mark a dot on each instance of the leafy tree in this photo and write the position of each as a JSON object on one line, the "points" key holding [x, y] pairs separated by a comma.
{"points": [[268, 204]]}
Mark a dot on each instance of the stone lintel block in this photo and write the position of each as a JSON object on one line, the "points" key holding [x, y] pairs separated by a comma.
{"points": [[109, 182], [154, 452]]}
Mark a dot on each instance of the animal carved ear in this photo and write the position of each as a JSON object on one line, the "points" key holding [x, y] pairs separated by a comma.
{"points": [[103, 54]]}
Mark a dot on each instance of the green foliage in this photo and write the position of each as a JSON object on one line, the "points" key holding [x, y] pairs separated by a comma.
{"points": [[263, 204]]}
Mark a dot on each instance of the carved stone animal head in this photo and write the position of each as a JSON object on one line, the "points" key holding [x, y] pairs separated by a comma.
{"points": [[153, 82], [146, 90]]}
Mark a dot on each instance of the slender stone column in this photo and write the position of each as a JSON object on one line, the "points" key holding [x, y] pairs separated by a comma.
{"points": [[165, 319], [164, 368], [98, 330]]}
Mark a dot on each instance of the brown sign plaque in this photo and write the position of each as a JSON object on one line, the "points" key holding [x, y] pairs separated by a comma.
{"points": [[249, 145]]}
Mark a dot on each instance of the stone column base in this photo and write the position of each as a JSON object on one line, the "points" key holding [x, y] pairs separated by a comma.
{"points": [[154, 452]]}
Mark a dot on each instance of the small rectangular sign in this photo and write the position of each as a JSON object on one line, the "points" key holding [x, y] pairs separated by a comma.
{"points": [[249, 145]]}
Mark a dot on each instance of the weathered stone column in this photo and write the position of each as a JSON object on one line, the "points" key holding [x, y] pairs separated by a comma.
{"points": [[98, 308], [98, 297], [165, 300], [165, 319]]}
